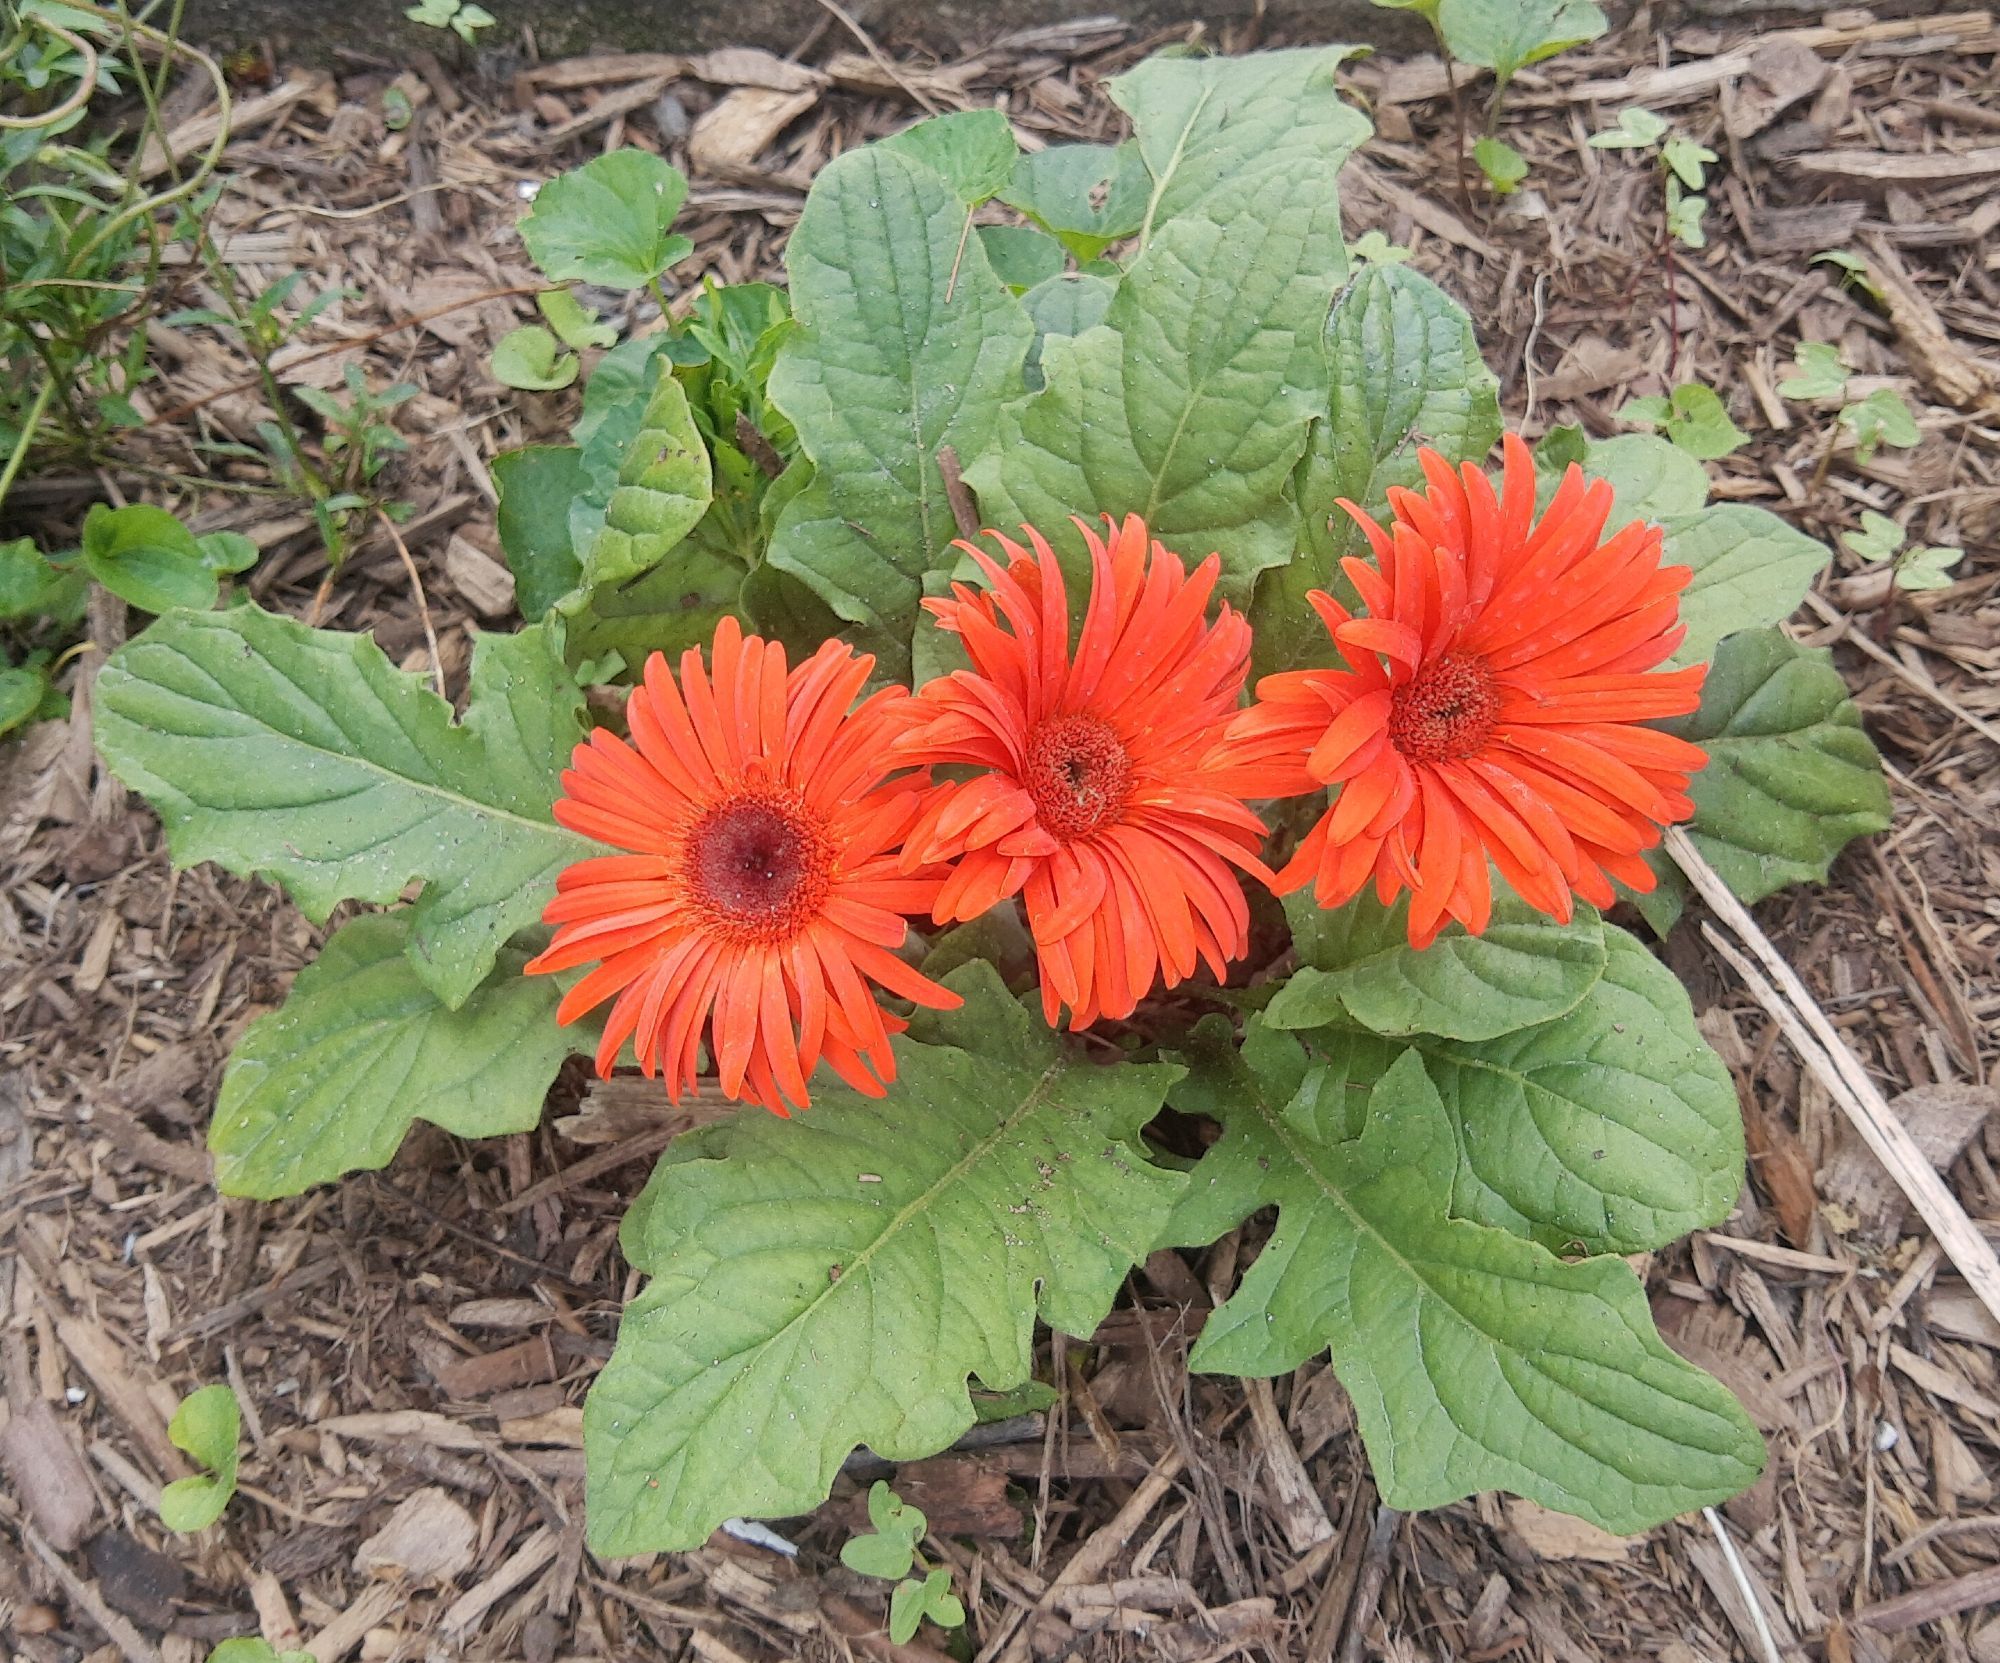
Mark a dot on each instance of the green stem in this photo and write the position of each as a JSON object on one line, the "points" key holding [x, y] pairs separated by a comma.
{"points": [[26, 438]]}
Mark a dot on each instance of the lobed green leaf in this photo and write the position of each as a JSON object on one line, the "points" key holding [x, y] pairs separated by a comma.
{"points": [[1613, 1127], [330, 1081], [834, 1280], [1475, 1359], [1792, 776], [306, 755]]}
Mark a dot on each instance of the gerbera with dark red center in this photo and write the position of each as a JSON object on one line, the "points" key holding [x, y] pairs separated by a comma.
{"points": [[763, 890], [1490, 704], [1095, 796]]}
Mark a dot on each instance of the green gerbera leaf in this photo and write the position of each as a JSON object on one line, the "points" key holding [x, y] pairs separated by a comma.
{"points": [[650, 483], [1357, 965], [973, 149], [1614, 1126], [606, 223], [329, 1082], [1476, 1360], [1206, 124], [306, 755], [1792, 777], [834, 1280], [1021, 256], [1506, 36], [1405, 371], [146, 556], [1190, 403], [537, 483], [667, 610], [907, 343], [1750, 569], [1086, 195], [1060, 307], [206, 1425], [1650, 478]]}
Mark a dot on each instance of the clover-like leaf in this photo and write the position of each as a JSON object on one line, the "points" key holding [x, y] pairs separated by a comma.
{"points": [[1357, 965], [1693, 418], [305, 754], [1688, 160], [1880, 418], [537, 483], [1637, 129], [834, 1280], [1792, 776], [1928, 567], [1405, 371], [650, 482], [913, 1601], [329, 1082], [606, 223], [1475, 1359], [531, 359], [1613, 1127], [1750, 569], [907, 343], [144, 555], [890, 1549], [1878, 539], [1086, 196], [974, 150], [255, 1649], [206, 1426], [1506, 36], [1821, 372]]}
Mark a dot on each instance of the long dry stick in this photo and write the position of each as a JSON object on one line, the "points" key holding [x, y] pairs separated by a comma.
{"points": [[1820, 1048], [423, 605]]}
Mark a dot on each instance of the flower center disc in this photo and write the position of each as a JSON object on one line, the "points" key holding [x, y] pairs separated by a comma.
{"points": [[761, 866], [1447, 711], [1078, 773]]}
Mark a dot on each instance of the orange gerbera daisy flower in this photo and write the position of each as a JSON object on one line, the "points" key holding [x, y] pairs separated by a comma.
{"points": [[1096, 796], [1490, 704], [763, 890]]}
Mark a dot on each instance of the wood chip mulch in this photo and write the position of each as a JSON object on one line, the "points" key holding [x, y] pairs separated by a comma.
{"points": [[411, 1348]]}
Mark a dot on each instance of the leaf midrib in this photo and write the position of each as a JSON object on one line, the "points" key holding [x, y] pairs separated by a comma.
{"points": [[445, 794], [1303, 1153]]}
